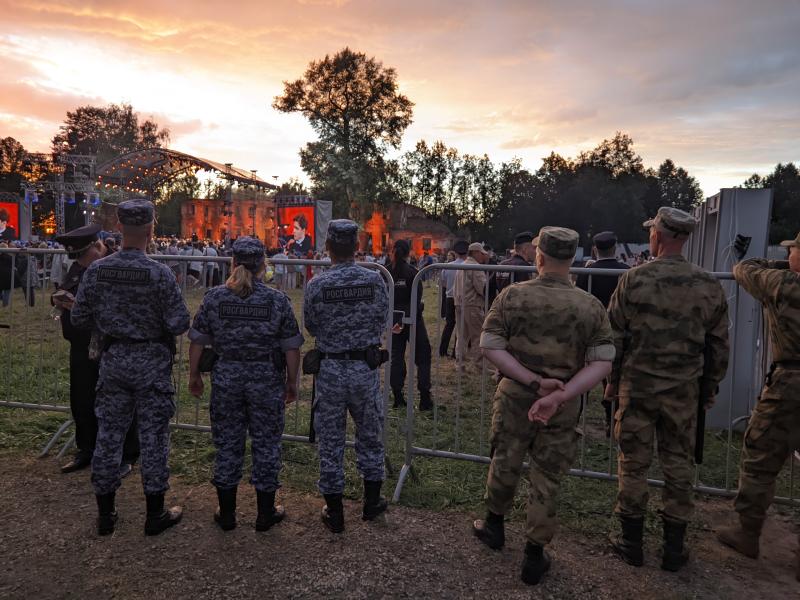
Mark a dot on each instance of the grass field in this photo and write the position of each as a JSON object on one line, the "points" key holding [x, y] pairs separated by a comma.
{"points": [[34, 369]]}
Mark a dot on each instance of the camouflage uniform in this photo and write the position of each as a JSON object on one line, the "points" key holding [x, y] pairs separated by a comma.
{"points": [[346, 309], [248, 381], [569, 329], [135, 302], [664, 315], [774, 428], [469, 299]]}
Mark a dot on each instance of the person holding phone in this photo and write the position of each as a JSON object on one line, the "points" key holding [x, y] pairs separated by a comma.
{"points": [[403, 274]]}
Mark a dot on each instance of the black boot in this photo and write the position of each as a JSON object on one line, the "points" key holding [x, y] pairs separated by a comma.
{"points": [[490, 531], [399, 400], [535, 564], [675, 555], [159, 519], [333, 513], [268, 513], [225, 516], [374, 504], [106, 514], [425, 402], [628, 544]]}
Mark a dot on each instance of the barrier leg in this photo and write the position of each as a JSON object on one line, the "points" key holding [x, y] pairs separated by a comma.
{"points": [[70, 443], [55, 438], [404, 472]]}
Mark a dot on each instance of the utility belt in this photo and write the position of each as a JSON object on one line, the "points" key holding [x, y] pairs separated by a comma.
{"points": [[374, 356], [209, 358], [166, 340], [789, 365]]}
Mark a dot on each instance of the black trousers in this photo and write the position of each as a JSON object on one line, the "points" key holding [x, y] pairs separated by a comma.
{"points": [[422, 358], [449, 326], [83, 375]]}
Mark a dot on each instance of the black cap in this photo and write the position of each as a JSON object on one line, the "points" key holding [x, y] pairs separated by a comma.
{"points": [[461, 247], [605, 240], [78, 240], [402, 246], [523, 238]]}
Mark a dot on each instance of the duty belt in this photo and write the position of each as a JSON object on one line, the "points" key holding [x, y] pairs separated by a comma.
{"points": [[787, 364], [349, 355]]}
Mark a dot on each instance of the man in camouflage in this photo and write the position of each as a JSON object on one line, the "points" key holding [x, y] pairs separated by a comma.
{"points": [[468, 294], [670, 322], [774, 429], [346, 308], [136, 304], [551, 342]]}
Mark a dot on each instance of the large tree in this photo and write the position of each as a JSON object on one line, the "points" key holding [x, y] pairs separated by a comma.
{"points": [[785, 184], [353, 104]]}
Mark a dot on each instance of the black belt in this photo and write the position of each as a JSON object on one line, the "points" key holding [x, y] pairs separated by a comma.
{"points": [[349, 355], [787, 364], [246, 358]]}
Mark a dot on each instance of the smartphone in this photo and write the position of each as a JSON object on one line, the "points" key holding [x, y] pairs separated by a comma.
{"points": [[63, 296], [397, 317]]}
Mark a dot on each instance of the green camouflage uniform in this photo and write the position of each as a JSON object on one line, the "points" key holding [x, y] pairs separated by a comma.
{"points": [[665, 315], [774, 428], [552, 328]]}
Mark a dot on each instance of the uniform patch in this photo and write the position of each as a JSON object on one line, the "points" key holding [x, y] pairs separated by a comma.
{"points": [[245, 312], [126, 275], [348, 293]]}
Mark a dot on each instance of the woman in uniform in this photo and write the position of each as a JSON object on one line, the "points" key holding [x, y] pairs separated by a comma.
{"points": [[253, 330]]}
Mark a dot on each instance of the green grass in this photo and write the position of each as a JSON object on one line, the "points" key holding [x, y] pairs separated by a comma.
{"points": [[34, 368]]}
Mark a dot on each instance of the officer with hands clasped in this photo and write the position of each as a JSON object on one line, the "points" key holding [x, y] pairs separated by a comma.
{"points": [[253, 330]]}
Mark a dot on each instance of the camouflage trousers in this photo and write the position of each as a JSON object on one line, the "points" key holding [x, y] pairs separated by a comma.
{"points": [[550, 450], [247, 396], [670, 419], [134, 378], [772, 435], [469, 322], [344, 386]]}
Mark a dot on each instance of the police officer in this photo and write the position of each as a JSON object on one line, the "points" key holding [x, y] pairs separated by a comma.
{"points": [[602, 286], [524, 255], [403, 275], [84, 247], [774, 428], [670, 323], [136, 304], [253, 330], [551, 342], [346, 309]]}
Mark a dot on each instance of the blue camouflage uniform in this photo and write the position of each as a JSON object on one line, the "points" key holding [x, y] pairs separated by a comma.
{"points": [[135, 302], [250, 335], [346, 309]]}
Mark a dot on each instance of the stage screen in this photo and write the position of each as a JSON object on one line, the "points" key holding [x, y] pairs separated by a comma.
{"points": [[12, 208], [286, 219]]}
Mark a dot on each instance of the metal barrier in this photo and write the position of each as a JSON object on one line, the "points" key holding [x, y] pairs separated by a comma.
{"points": [[596, 459], [50, 356]]}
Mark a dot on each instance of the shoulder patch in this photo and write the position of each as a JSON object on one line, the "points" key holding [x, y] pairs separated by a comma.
{"points": [[348, 293], [124, 275], [245, 312]]}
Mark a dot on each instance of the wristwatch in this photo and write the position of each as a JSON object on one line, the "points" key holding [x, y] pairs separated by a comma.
{"points": [[535, 385]]}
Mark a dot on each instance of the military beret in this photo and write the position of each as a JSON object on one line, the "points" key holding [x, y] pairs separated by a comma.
{"points": [[461, 247], [78, 240], [343, 231], [523, 238], [605, 240], [789, 243], [672, 220], [136, 212], [248, 249], [558, 242]]}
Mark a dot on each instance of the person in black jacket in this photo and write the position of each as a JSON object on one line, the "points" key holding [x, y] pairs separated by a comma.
{"points": [[524, 254], [84, 247], [603, 286], [403, 274]]}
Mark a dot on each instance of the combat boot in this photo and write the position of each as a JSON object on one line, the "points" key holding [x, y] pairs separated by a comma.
{"points": [[425, 402], [490, 531], [225, 516], [268, 513], [535, 564], [333, 513], [744, 537], [159, 519], [106, 514], [399, 400], [374, 504], [675, 554], [628, 544]]}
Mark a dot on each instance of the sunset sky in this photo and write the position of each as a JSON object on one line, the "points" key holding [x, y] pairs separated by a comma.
{"points": [[714, 85]]}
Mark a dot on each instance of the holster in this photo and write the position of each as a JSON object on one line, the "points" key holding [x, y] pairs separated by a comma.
{"points": [[312, 361], [207, 359], [279, 360], [375, 356]]}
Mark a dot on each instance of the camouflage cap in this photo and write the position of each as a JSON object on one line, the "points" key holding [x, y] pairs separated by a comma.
{"points": [[343, 231], [558, 242], [136, 212], [672, 220], [248, 249], [790, 243]]}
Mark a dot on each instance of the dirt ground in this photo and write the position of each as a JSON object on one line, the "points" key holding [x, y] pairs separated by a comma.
{"points": [[50, 550]]}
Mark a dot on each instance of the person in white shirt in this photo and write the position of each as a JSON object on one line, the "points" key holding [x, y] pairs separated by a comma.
{"points": [[448, 279]]}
